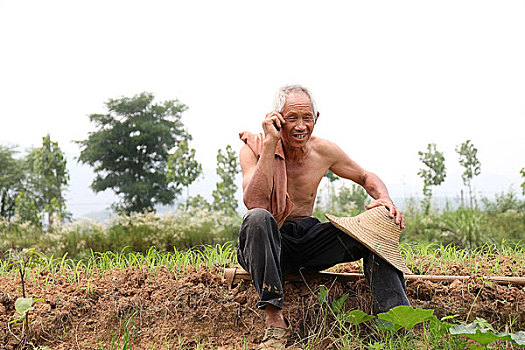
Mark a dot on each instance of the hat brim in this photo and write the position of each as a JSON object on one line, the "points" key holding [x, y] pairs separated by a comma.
{"points": [[376, 230]]}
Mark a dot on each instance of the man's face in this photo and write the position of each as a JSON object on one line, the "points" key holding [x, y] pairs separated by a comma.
{"points": [[299, 119]]}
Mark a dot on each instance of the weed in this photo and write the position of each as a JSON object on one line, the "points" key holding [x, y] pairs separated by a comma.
{"points": [[24, 304]]}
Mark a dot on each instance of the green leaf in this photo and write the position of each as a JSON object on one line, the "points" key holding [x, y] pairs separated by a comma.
{"points": [[483, 337], [28, 251], [406, 316], [476, 347], [337, 305], [449, 317], [17, 320], [356, 317], [482, 332], [323, 294], [481, 323], [386, 325], [439, 327], [23, 305], [518, 338], [377, 346]]}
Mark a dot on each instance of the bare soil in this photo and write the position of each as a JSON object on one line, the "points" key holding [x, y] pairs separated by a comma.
{"points": [[163, 311]]}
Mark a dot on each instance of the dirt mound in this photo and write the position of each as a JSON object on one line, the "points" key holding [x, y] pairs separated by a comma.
{"points": [[161, 309]]}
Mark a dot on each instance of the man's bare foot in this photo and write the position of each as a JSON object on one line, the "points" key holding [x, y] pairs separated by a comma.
{"points": [[277, 330], [274, 317]]}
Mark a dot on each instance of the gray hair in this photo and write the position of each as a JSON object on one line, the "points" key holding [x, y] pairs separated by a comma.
{"points": [[282, 93]]}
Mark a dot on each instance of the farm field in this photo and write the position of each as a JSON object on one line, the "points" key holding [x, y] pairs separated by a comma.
{"points": [[139, 137], [180, 300]]}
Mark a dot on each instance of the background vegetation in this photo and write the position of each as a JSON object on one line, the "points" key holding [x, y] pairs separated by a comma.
{"points": [[141, 150]]}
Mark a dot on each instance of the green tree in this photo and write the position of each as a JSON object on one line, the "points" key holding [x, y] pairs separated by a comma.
{"points": [[522, 172], [183, 168], [130, 150], [331, 190], [28, 208], [351, 200], [469, 160], [227, 169], [434, 173], [331, 176], [46, 182], [11, 175], [196, 202]]}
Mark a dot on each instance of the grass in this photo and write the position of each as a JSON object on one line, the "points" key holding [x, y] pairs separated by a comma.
{"points": [[206, 255], [425, 258], [488, 259], [98, 264]]}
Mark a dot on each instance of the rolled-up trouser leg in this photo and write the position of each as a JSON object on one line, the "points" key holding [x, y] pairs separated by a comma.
{"points": [[259, 253], [386, 283]]}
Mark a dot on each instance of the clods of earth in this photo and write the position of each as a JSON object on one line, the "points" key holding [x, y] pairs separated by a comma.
{"points": [[163, 310]]}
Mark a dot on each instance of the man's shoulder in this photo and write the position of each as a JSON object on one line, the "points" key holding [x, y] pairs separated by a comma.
{"points": [[324, 146]]}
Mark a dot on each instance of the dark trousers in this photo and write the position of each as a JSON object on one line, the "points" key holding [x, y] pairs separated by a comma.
{"points": [[267, 253]]}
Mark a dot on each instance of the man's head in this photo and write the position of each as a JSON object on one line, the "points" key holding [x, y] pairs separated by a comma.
{"points": [[283, 92], [296, 105]]}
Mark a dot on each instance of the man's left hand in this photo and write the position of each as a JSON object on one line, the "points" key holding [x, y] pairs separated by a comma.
{"points": [[394, 211]]}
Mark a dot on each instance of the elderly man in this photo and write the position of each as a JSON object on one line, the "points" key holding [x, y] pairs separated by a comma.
{"points": [[282, 169]]}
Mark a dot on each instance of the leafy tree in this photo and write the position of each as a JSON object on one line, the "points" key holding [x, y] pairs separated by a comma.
{"points": [[351, 200], [130, 150], [47, 179], [195, 202], [346, 201], [227, 169], [331, 191], [11, 175], [183, 168], [522, 172], [331, 176], [28, 208], [469, 160], [434, 173]]}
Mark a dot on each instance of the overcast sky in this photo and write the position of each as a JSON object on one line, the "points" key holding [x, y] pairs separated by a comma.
{"points": [[389, 77]]}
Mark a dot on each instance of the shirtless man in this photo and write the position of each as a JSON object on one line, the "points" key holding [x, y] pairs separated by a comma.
{"points": [[268, 248]]}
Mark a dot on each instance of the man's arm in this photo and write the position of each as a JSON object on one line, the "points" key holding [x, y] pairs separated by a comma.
{"points": [[345, 167], [257, 176]]}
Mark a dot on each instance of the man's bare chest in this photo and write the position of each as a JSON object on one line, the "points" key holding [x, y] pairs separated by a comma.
{"points": [[304, 178]]}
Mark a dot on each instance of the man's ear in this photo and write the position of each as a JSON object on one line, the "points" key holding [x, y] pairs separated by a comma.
{"points": [[317, 116]]}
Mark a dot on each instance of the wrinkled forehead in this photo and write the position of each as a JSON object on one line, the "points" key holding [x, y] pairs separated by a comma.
{"points": [[298, 101]]}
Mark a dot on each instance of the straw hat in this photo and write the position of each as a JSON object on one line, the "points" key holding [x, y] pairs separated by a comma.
{"points": [[377, 231]]}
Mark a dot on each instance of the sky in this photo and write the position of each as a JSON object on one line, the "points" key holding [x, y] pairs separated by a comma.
{"points": [[389, 77]]}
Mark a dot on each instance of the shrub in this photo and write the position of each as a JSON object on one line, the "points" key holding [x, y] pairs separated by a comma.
{"points": [[183, 229], [504, 202], [466, 227]]}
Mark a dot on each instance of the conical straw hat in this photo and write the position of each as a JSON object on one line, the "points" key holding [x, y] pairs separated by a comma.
{"points": [[377, 231]]}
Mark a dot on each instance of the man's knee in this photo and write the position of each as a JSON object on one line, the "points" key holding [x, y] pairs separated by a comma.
{"points": [[258, 224], [257, 216]]}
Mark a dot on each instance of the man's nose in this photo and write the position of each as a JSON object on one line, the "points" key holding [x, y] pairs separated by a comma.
{"points": [[300, 124]]}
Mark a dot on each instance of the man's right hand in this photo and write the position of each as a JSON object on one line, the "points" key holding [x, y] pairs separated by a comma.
{"points": [[272, 120]]}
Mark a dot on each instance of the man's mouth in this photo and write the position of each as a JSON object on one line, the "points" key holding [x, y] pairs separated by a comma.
{"points": [[300, 136]]}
